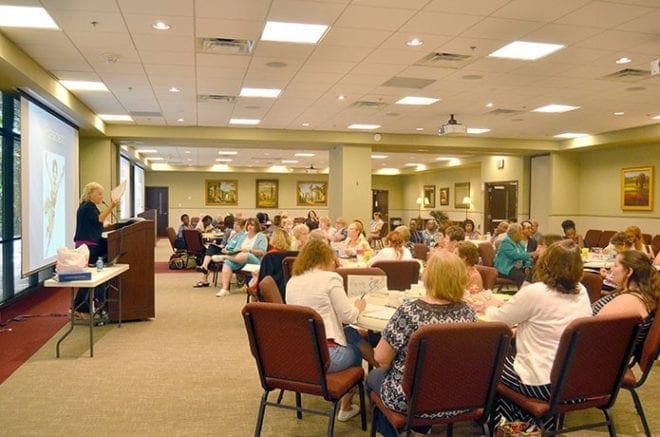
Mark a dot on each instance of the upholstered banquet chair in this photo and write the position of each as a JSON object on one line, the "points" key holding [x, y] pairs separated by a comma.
{"points": [[592, 237], [488, 276], [575, 383], [268, 291], [344, 272], [435, 380], [593, 282], [400, 274], [298, 366]]}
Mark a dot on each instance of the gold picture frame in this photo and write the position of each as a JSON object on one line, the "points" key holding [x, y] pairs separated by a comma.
{"points": [[429, 193], [461, 191], [311, 193], [267, 193], [637, 188], [444, 196], [221, 192]]}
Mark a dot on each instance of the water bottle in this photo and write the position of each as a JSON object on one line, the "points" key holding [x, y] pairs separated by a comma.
{"points": [[99, 264]]}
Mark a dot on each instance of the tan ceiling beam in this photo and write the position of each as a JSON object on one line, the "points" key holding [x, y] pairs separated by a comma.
{"points": [[640, 135], [215, 136], [18, 70]]}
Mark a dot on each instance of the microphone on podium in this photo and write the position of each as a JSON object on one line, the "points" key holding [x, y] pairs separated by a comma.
{"points": [[112, 213]]}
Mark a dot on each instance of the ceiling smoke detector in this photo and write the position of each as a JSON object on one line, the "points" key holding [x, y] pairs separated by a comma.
{"points": [[452, 128]]}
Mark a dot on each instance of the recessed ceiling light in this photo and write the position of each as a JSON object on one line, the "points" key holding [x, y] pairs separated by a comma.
{"points": [[411, 100], [307, 155], [223, 159], [293, 32], [244, 121], [305, 125], [161, 25], [569, 135], [155, 158], [227, 152], [290, 161], [188, 151], [189, 159], [657, 117], [174, 90], [623, 60], [525, 50], [388, 171], [147, 151], [444, 158], [619, 113], [24, 16], [270, 93], [83, 85], [115, 117], [489, 105], [341, 97], [415, 42], [555, 108], [364, 126], [379, 156], [419, 129], [412, 164], [180, 120], [477, 130]]}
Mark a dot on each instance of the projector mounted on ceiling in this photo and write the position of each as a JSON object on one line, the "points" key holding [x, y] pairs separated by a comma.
{"points": [[452, 127], [311, 169]]}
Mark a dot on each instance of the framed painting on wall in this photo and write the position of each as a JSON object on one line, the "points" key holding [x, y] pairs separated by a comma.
{"points": [[461, 191], [311, 193], [429, 193], [221, 192], [444, 196], [637, 188], [267, 193]]}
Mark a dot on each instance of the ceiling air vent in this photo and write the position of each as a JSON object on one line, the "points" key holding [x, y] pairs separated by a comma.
{"points": [[146, 114], [628, 74], [503, 111], [365, 104], [445, 60], [216, 98], [225, 46]]}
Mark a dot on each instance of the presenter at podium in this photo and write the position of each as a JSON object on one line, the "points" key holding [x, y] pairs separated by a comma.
{"points": [[89, 227]]}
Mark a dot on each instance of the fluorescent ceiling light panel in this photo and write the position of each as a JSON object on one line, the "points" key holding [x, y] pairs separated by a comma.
{"points": [[147, 151], [307, 155], [388, 171], [24, 16], [227, 152], [115, 117], [569, 135], [527, 51], [657, 117], [412, 164], [289, 161], [271, 93], [244, 121], [223, 160], [293, 32], [411, 100], [477, 130], [555, 108], [155, 158], [379, 156], [444, 158], [83, 85], [364, 126]]}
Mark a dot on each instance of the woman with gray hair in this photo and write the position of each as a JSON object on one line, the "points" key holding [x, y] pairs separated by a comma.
{"points": [[512, 260]]}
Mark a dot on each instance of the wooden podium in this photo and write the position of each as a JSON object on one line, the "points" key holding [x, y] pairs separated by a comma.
{"points": [[134, 243]]}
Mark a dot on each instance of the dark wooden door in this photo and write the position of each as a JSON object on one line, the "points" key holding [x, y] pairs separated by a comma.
{"points": [[379, 203], [158, 199], [501, 203]]}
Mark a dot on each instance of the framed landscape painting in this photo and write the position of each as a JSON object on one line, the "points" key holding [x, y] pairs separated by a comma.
{"points": [[637, 188], [461, 191], [267, 193], [311, 193], [221, 192]]}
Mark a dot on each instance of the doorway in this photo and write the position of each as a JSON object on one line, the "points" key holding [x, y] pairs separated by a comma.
{"points": [[158, 199], [379, 203], [501, 203]]}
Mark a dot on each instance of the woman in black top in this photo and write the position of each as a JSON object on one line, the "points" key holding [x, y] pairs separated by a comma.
{"points": [[89, 227]]}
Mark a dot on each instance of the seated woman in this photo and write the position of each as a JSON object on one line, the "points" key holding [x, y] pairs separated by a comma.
{"points": [[431, 234], [312, 220], [376, 225], [205, 224], [470, 232], [415, 234], [341, 231], [299, 236], [638, 241], [180, 242], [251, 246], [445, 278], [512, 260], [355, 240], [213, 250], [542, 311], [314, 284], [637, 292], [394, 249], [469, 253], [279, 241], [618, 243]]}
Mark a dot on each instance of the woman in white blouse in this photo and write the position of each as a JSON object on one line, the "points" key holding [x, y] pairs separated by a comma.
{"points": [[314, 284], [394, 249], [542, 311]]}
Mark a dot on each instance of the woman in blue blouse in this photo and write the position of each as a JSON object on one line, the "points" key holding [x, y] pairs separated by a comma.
{"points": [[512, 259]]}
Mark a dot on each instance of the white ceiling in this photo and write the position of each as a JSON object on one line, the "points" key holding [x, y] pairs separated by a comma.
{"points": [[364, 47]]}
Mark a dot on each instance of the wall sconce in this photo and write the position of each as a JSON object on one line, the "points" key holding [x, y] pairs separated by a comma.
{"points": [[421, 201], [466, 202]]}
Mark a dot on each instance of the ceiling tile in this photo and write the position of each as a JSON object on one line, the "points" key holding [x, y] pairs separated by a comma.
{"points": [[303, 11], [439, 23], [351, 37], [471, 7], [603, 14], [142, 24], [617, 40], [83, 21], [165, 7], [350, 54], [502, 28], [232, 10], [366, 17], [232, 29], [538, 10], [171, 43], [78, 5], [268, 49]]}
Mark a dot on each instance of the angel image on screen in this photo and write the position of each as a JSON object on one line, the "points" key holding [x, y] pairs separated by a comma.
{"points": [[53, 202]]}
